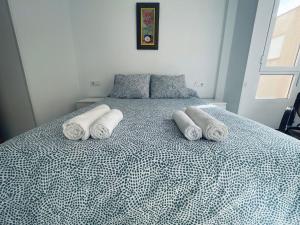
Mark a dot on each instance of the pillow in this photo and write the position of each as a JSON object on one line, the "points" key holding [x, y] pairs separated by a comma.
{"points": [[163, 86], [131, 86], [192, 93]]}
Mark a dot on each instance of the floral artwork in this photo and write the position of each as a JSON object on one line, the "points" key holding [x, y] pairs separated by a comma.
{"points": [[147, 25]]}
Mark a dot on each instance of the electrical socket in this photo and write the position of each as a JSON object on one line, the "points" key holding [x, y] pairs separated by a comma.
{"points": [[198, 84], [95, 83]]}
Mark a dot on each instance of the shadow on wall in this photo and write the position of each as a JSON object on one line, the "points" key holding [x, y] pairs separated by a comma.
{"points": [[2, 136], [245, 17], [16, 115], [4, 133]]}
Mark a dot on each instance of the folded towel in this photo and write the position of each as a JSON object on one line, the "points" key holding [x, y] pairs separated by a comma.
{"points": [[103, 127], [212, 129], [188, 128], [79, 126]]}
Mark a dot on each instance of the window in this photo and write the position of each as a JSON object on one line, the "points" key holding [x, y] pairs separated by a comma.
{"points": [[280, 63], [275, 48], [274, 86], [285, 41]]}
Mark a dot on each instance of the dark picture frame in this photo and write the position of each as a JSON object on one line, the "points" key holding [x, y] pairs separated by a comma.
{"points": [[147, 21]]}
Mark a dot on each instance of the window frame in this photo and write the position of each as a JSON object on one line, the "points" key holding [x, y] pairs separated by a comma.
{"points": [[263, 61], [277, 70]]}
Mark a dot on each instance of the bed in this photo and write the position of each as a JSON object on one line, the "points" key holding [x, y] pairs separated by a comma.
{"points": [[148, 173]]}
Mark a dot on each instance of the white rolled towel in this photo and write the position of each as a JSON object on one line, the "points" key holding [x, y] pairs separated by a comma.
{"points": [[212, 129], [79, 126], [187, 127], [103, 127]]}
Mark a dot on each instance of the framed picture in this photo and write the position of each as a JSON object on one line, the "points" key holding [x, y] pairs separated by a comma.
{"points": [[147, 20]]}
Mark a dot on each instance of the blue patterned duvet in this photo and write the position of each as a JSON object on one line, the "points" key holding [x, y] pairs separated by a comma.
{"points": [[148, 173]]}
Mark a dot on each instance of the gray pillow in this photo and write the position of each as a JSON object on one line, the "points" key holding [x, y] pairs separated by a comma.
{"points": [[192, 93], [162, 86], [131, 86]]}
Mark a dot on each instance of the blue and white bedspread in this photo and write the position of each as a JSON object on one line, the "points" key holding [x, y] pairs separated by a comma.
{"points": [[148, 173]]}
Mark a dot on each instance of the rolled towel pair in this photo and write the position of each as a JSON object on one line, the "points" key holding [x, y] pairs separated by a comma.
{"points": [[79, 127], [98, 122], [103, 127], [212, 129], [188, 128]]}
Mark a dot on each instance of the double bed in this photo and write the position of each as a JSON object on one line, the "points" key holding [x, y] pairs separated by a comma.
{"points": [[148, 173]]}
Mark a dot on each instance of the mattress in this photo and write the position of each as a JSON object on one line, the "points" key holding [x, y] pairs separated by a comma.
{"points": [[148, 173]]}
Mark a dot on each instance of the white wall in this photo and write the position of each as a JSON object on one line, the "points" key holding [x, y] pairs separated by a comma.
{"points": [[189, 42], [66, 44], [44, 35], [229, 25]]}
